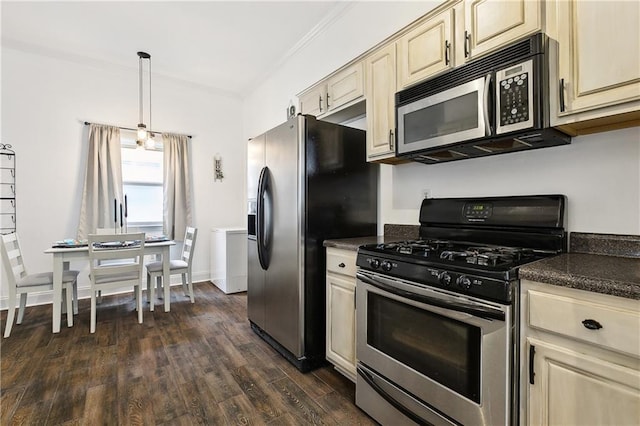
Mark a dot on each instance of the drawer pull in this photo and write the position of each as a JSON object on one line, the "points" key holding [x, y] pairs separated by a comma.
{"points": [[342, 265], [592, 324]]}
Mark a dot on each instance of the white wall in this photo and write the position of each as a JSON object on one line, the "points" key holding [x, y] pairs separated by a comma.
{"points": [[46, 98], [600, 174]]}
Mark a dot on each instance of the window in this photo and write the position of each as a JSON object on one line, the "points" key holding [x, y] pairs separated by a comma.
{"points": [[142, 174]]}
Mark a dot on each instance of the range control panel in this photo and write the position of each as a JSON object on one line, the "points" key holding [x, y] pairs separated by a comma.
{"points": [[433, 276]]}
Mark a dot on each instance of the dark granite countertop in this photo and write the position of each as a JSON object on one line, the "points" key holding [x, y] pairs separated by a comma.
{"points": [[392, 232], [613, 275], [354, 243]]}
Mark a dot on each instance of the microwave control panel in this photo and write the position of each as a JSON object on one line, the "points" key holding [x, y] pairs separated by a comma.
{"points": [[515, 97]]}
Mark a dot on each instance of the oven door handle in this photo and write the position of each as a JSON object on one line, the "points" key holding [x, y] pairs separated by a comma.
{"points": [[371, 381], [386, 284]]}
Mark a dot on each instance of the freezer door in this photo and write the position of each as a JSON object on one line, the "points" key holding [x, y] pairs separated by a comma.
{"points": [[283, 216], [255, 274]]}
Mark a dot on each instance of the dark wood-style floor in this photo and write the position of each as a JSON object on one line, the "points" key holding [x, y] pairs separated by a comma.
{"points": [[198, 364]]}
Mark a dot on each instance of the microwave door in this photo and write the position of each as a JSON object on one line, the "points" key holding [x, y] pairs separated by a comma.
{"points": [[453, 115]]}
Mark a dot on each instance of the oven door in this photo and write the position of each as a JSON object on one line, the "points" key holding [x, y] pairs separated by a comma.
{"points": [[454, 115], [434, 356]]}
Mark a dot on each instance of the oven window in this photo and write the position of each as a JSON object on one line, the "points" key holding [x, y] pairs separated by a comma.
{"points": [[452, 116], [443, 349]]}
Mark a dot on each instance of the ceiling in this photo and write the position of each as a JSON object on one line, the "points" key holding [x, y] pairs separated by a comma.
{"points": [[223, 45]]}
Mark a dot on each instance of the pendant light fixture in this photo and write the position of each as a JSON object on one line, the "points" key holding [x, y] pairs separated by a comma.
{"points": [[145, 135]]}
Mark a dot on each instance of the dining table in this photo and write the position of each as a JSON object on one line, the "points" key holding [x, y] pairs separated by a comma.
{"points": [[62, 255]]}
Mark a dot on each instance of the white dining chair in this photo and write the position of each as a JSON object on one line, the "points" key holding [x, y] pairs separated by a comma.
{"points": [[116, 261], [22, 283], [179, 266]]}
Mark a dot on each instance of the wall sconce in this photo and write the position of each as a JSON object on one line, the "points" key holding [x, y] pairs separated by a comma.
{"points": [[217, 168]]}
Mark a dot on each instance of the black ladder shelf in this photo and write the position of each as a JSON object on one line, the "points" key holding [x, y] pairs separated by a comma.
{"points": [[7, 189]]}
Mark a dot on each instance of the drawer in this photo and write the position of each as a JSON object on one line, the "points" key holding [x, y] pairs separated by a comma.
{"points": [[341, 261], [565, 315]]}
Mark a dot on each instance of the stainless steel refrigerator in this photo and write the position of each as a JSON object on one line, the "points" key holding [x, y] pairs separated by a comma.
{"points": [[308, 181]]}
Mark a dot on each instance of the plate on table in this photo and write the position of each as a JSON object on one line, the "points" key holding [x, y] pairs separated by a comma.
{"points": [[156, 239], [117, 244], [69, 243]]}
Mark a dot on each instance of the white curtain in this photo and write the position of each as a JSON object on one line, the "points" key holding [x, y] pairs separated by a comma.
{"points": [[177, 185], [103, 180]]}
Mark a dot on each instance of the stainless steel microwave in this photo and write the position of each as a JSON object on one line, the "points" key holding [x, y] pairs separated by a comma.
{"points": [[492, 105]]}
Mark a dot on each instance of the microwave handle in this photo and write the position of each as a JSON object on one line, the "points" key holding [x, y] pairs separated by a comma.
{"points": [[485, 98]]}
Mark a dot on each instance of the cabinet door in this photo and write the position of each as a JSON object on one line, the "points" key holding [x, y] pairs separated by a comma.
{"points": [[314, 101], [381, 89], [345, 86], [425, 50], [490, 24], [341, 326], [571, 388], [598, 56]]}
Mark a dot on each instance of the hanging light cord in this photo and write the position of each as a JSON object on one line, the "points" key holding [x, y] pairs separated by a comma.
{"points": [[140, 86], [150, 134]]}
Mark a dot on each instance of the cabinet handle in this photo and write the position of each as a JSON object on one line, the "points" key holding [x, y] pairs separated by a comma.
{"points": [[467, 44], [561, 94], [532, 354], [327, 102], [320, 102], [341, 265], [592, 324], [390, 140], [447, 49]]}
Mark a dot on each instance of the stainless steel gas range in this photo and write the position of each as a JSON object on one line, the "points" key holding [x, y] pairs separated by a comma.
{"points": [[437, 318]]}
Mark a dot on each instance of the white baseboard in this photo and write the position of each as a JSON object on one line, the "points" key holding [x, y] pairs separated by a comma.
{"points": [[46, 297]]}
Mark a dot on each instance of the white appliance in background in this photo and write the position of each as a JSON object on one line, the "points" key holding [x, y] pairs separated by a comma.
{"points": [[229, 259]]}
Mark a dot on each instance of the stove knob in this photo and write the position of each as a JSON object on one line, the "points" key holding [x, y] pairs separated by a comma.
{"points": [[464, 282], [445, 279], [386, 266], [375, 263]]}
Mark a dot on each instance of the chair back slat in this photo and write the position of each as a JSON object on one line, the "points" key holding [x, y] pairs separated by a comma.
{"points": [[189, 244], [106, 247], [12, 258]]}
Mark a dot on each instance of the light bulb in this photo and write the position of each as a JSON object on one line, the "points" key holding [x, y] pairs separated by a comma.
{"points": [[150, 143], [142, 132]]}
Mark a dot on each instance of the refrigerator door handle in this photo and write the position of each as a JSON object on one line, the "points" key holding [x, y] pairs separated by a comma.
{"points": [[261, 235]]}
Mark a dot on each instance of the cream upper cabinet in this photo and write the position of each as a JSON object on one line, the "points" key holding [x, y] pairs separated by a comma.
{"points": [[314, 100], [489, 24], [345, 86], [381, 89], [426, 50], [341, 314], [598, 59], [581, 357]]}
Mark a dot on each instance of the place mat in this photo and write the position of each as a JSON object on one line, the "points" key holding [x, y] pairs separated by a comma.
{"points": [[156, 239], [117, 244], [70, 243]]}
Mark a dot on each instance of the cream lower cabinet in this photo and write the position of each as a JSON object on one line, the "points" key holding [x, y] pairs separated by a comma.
{"points": [[581, 357], [341, 311], [598, 62]]}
